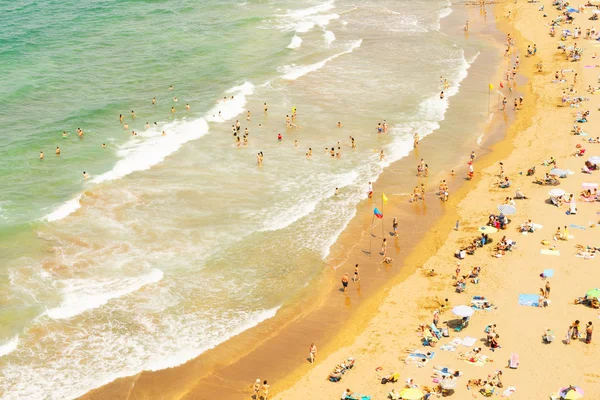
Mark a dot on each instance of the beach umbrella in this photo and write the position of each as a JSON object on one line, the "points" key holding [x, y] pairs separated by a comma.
{"points": [[571, 393], [463, 311], [557, 171], [412, 394], [594, 159], [448, 384], [507, 209], [556, 192], [593, 293], [488, 229]]}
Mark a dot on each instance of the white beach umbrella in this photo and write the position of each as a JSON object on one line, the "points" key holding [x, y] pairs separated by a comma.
{"points": [[558, 171], [594, 159], [507, 209], [463, 311], [448, 384], [556, 192]]}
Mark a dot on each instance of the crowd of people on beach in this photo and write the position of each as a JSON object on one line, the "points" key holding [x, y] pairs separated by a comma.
{"points": [[432, 334]]}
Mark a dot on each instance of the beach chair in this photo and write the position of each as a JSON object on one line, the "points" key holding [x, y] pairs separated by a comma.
{"points": [[462, 326], [513, 362], [435, 331]]}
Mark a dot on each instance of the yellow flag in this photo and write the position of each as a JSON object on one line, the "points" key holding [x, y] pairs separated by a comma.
{"points": [[491, 87], [383, 197]]}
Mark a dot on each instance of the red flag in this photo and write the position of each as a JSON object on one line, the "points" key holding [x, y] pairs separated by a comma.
{"points": [[501, 85]]}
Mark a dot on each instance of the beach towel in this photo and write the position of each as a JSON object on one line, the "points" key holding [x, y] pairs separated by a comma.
{"points": [[435, 331], [481, 360], [588, 256], [548, 273], [456, 341], [549, 252], [514, 361], [577, 226], [529, 300], [589, 185], [416, 360], [468, 341], [509, 390], [422, 355], [478, 363], [448, 347]]}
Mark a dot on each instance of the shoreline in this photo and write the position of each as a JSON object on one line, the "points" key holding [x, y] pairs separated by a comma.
{"points": [[391, 329], [201, 372]]}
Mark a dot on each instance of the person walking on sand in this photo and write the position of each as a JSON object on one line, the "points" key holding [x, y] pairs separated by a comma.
{"points": [[569, 335], [356, 276], [345, 282], [547, 289], [589, 328], [395, 226], [384, 247], [312, 353], [265, 390], [575, 327], [256, 388]]}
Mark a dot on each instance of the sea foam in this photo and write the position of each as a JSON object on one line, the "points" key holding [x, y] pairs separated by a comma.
{"points": [[80, 295], [9, 346], [150, 148], [293, 72], [295, 43]]}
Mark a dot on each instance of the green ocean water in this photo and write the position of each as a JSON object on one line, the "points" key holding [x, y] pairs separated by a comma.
{"points": [[79, 64], [176, 243]]}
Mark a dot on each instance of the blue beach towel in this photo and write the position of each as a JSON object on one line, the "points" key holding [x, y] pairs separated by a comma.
{"points": [[529, 300], [577, 226], [422, 355], [548, 273]]}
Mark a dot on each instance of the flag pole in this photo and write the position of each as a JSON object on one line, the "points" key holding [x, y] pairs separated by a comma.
{"points": [[371, 234], [382, 235]]}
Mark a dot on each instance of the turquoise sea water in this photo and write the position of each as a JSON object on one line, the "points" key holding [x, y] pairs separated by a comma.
{"points": [[175, 243]]}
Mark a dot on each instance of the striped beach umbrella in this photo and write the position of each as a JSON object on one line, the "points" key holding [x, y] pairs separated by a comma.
{"points": [[571, 393], [507, 209]]}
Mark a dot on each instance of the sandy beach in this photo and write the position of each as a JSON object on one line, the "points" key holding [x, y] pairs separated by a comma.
{"points": [[381, 330], [541, 131]]}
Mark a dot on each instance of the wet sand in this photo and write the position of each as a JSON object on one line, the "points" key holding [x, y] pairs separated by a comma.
{"points": [[276, 349]]}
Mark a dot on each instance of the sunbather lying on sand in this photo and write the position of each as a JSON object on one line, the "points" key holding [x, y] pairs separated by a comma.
{"points": [[441, 371], [474, 383]]}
